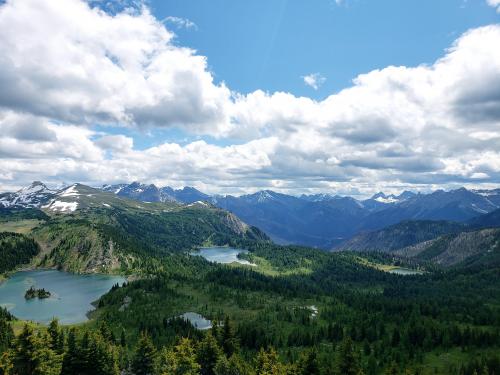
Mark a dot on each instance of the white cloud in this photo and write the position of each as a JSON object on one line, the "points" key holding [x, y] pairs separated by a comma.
{"points": [[424, 126], [182, 23], [314, 80], [117, 143], [494, 4], [78, 64]]}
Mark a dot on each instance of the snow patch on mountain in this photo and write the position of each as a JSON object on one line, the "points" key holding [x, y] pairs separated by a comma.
{"points": [[31, 196], [69, 192], [198, 203], [387, 199], [61, 206]]}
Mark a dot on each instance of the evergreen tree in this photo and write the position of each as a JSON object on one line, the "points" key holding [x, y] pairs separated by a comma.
{"points": [[123, 339], [6, 335], [268, 363], [143, 362], [180, 360], [308, 363], [347, 360], [208, 354], [372, 367], [232, 366], [56, 336], [6, 363], [33, 356], [71, 359], [393, 369], [230, 343]]}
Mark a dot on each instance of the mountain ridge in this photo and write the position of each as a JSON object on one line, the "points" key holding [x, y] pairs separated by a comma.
{"points": [[317, 220]]}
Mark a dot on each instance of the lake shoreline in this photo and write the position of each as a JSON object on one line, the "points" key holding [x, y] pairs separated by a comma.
{"points": [[77, 294]]}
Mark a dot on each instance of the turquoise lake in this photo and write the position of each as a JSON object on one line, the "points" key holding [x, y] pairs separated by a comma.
{"points": [[222, 255], [72, 295]]}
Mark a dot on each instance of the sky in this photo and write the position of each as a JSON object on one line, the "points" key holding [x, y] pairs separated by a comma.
{"points": [[345, 97]]}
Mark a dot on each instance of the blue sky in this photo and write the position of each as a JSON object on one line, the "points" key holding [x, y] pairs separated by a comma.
{"points": [[326, 96], [270, 45]]}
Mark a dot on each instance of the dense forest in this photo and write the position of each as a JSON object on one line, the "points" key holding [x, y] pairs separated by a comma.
{"points": [[368, 322], [297, 311], [16, 249]]}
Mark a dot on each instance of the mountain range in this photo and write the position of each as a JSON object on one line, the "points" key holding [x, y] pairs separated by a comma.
{"points": [[83, 229], [321, 220]]}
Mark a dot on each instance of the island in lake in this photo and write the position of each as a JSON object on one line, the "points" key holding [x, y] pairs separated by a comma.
{"points": [[36, 293]]}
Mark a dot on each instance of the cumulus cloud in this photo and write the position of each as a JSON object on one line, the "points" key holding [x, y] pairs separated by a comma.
{"points": [[314, 80], [118, 143], [81, 64], [25, 127], [78, 65], [494, 4]]}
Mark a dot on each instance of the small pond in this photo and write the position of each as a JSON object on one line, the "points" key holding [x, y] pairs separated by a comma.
{"points": [[222, 255], [197, 320], [405, 271]]}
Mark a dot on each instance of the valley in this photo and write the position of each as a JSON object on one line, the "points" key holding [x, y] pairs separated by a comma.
{"points": [[396, 299]]}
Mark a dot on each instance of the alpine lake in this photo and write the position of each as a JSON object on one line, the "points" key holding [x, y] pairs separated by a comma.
{"points": [[70, 300]]}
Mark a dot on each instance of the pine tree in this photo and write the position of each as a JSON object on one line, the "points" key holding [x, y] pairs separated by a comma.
{"points": [[6, 335], [180, 360], [268, 363], [232, 366], [101, 358], [71, 359], [143, 362], [208, 354], [230, 343], [56, 336], [33, 356], [393, 369], [347, 361], [308, 363], [372, 367], [123, 339]]}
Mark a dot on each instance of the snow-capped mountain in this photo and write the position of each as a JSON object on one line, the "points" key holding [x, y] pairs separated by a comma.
{"points": [[320, 220], [140, 192], [65, 200], [317, 197], [32, 196], [392, 198], [151, 193]]}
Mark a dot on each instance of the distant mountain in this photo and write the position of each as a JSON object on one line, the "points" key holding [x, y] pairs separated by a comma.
{"points": [[489, 220], [403, 234], [31, 196], [187, 194], [325, 221], [318, 220], [140, 192], [439, 242], [151, 193], [472, 247], [289, 219], [458, 205], [90, 230]]}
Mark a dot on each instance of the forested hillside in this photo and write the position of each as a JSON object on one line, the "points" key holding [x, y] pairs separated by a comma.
{"points": [[335, 316], [82, 229], [400, 235], [454, 249], [16, 249]]}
